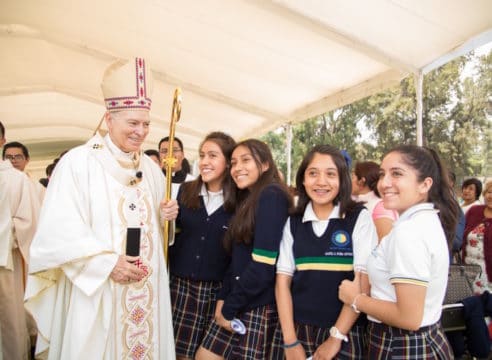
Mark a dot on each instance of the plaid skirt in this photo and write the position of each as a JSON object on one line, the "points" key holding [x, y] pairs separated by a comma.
{"points": [[387, 342], [311, 337], [193, 307], [255, 344]]}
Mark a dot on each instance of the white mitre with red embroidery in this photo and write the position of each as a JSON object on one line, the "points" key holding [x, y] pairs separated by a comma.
{"points": [[127, 85]]}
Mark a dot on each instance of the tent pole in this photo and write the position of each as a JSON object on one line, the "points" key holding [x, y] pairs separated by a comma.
{"points": [[289, 151], [419, 81]]}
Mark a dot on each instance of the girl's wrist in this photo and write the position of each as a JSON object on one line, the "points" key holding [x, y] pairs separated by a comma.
{"points": [[290, 345], [354, 302]]}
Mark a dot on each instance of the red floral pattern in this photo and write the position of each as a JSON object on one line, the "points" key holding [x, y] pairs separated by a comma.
{"points": [[475, 255]]}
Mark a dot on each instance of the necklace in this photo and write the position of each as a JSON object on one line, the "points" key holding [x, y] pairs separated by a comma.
{"points": [[134, 164], [138, 174]]}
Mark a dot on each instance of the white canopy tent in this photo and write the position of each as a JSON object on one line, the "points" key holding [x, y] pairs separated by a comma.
{"points": [[245, 67]]}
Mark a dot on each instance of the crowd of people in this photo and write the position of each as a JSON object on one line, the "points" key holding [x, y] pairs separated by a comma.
{"points": [[354, 266]]}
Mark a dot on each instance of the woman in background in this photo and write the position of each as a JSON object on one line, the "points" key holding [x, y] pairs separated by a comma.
{"points": [[365, 189], [477, 246], [470, 193]]}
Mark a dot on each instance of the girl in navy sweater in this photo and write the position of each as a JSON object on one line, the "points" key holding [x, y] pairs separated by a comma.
{"points": [[198, 259], [253, 237], [325, 241]]}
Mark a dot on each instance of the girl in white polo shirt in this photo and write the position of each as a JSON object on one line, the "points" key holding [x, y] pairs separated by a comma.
{"points": [[326, 240], [408, 270]]}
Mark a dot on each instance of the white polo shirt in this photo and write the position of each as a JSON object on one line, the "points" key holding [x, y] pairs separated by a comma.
{"points": [[364, 238], [414, 252]]}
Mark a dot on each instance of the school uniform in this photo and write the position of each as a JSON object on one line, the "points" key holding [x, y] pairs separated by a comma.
{"points": [[249, 288], [319, 255], [414, 252], [198, 262]]}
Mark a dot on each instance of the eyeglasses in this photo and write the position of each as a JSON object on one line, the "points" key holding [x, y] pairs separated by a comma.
{"points": [[15, 157], [175, 150]]}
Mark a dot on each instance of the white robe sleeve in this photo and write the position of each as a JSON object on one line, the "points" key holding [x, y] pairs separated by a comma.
{"points": [[5, 228], [89, 274], [24, 210], [365, 238], [65, 237]]}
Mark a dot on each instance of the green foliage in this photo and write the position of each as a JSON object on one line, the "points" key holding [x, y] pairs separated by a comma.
{"points": [[457, 121]]}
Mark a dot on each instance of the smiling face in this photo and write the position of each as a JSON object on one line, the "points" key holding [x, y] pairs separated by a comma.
{"points": [[322, 184], [128, 129], [399, 186], [212, 165], [244, 169]]}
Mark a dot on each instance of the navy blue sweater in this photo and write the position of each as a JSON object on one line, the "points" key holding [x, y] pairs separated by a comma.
{"points": [[321, 265], [198, 252], [251, 278]]}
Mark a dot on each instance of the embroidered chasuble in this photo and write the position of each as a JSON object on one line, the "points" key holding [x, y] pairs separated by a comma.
{"points": [[94, 195]]}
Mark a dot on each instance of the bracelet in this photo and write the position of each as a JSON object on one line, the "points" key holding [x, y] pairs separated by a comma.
{"points": [[354, 303], [294, 344]]}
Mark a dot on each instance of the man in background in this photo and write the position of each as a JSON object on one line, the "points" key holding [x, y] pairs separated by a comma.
{"points": [[18, 218], [18, 154], [181, 171]]}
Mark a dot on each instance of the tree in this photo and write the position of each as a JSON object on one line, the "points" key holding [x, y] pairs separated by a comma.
{"points": [[456, 120]]}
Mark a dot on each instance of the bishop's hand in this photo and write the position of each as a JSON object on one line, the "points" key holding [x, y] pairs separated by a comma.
{"points": [[124, 272]]}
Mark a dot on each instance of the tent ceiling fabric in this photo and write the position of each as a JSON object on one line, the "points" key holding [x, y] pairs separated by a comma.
{"points": [[245, 67]]}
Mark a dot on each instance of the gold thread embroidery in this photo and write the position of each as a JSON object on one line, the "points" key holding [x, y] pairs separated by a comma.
{"points": [[137, 314]]}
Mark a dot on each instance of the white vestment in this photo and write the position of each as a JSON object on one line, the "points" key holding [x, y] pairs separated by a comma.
{"points": [[38, 188], [175, 186], [19, 212], [82, 313]]}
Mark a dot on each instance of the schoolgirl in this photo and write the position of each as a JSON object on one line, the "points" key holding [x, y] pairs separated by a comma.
{"points": [[408, 269], [325, 241], [365, 178], [254, 238], [198, 259]]}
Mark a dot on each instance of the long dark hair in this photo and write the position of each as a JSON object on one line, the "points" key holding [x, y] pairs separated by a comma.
{"points": [[426, 163], [343, 197], [190, 193], [242, 225]]}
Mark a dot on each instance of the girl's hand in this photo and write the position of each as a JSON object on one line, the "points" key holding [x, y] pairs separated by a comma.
{"points": [[348, 290], [223, 322], [295, 353], [220, 319], [328, 350]]}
